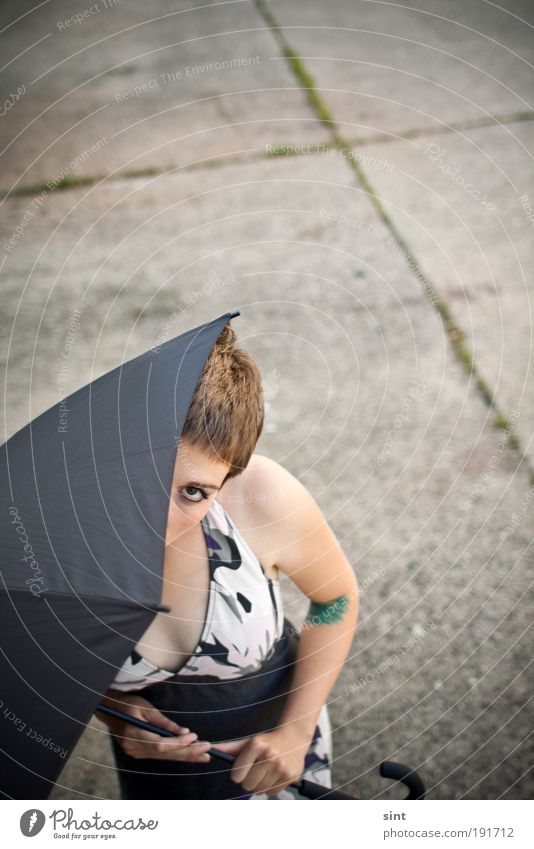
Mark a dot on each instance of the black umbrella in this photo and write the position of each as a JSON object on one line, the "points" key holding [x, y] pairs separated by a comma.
{"points": [[84, 496]]}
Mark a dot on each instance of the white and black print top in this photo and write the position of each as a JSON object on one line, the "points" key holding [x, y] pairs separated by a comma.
{"points": [[243, 625], [244, 616]]}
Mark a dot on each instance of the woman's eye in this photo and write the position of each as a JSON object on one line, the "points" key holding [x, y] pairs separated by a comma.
{"points": [[193, 493]]}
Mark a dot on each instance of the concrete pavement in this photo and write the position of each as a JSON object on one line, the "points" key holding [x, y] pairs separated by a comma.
{"points": [[356, 179]]}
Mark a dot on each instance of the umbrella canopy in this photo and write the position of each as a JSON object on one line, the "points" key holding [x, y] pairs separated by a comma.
{"points": [[84, 498]]}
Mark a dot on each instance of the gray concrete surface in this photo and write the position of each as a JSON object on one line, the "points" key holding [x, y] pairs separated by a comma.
{"points": [[368, 403]]}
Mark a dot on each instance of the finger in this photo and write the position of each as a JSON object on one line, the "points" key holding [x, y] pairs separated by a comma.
{"points": [[137, 735], [244, 762], [197, 753], [156, 717], [164, 744], [232, 747], [271, 783], [149, 741], [255, 780]]}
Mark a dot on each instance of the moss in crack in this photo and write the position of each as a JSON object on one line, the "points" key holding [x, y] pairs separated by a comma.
{"points": [[455, 334]]}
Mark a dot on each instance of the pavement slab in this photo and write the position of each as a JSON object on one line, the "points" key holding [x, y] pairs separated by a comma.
{"points": [[391, 68], [130, 88], [464, 203]]}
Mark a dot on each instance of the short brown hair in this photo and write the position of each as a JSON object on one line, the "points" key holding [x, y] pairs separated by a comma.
{"points": [[225, 418]]}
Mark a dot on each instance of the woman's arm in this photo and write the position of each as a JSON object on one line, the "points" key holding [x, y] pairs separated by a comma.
{"points": [[309, 553], [306, 550]]}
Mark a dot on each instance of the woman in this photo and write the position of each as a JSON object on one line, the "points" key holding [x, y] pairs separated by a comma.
{"points": [[225, 667]]}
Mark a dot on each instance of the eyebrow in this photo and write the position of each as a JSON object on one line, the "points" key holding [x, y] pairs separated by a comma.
{"points": [[203, 485]]}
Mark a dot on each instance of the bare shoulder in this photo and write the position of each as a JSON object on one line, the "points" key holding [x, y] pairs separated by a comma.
{"points": [[288, 529], [267, 489], [270, 504], [265, 501], [281, 490]]}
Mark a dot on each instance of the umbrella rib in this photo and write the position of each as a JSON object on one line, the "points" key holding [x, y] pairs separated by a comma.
{"points": [[75, 595]]}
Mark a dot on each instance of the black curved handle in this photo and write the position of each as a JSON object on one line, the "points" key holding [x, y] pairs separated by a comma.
{"points": [[388, 769], [399, 772], [318, 791]]}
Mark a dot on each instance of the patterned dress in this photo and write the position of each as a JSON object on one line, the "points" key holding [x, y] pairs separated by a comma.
{"points": [[233, 685]]}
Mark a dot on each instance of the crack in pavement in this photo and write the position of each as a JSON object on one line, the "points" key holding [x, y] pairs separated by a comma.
{"points": [[454, 332]]}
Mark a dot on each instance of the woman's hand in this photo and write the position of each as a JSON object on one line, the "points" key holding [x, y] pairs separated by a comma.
{"points": [[268, 762], [139, 743]]}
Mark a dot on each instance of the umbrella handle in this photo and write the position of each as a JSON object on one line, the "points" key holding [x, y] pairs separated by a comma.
{"points": [[140, 723], [399, 772], [318, 791], [305, 787], [388, 769]]}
